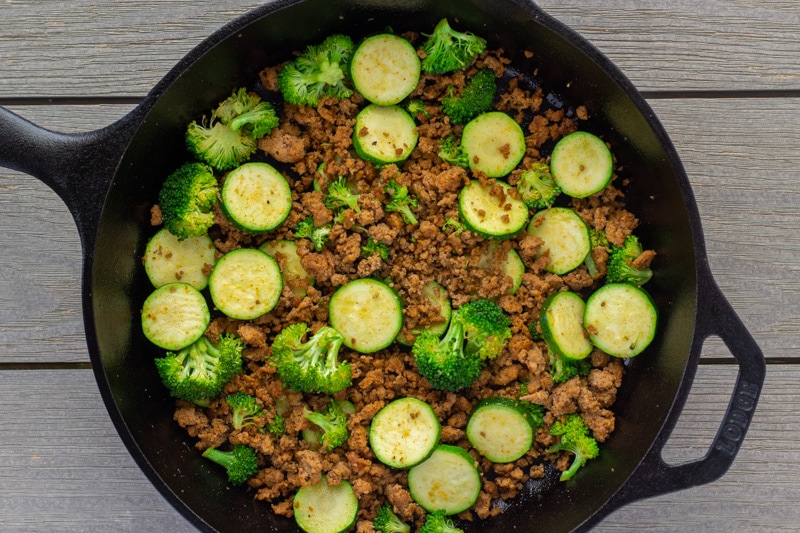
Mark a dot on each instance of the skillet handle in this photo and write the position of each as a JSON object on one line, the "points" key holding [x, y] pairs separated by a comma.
{"points": [[78, 167], [715, 317]]}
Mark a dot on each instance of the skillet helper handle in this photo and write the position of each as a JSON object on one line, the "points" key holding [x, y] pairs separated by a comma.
{"points": [[78, 167], [716, 317]]}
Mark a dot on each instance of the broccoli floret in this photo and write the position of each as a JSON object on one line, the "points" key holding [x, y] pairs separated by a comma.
{"points": [[218, 144], [244, 409], [198, 372], [534, 413], [388, 522], [311, 366], [453, 152], [244, 109], [575, 439], [438, 522], [537, 188], [597, 238], [241, 462], [457, 225], [416, 107], [447, 50], [477, 98], [187, 198], [478, 330], [563, 369], [401, 201], [374, 247], [278, 426], [317, 235], [333, 424], [341, 197], [620, 268], [321, 70]]}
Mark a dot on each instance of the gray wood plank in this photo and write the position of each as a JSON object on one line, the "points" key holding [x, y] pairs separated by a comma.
{"points": [[49, 48], [64, 468]]}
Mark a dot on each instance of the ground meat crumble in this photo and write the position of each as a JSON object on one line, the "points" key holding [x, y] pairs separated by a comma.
{"points": [[310, 137]]}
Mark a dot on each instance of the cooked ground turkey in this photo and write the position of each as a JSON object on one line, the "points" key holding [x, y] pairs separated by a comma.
{"points": [[308, 137]]}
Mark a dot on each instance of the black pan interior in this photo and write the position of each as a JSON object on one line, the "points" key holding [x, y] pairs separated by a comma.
{"points": [[658, 193]]}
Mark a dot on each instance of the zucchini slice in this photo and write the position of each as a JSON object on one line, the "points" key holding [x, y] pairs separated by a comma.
{"points": [[446, 481], [565, 235], [285, 252], [485, 213], [510, 264], [621, 319], [561, 319], [499, 430], [494, 143], [384, 135], [385, 69], [323, 508], [368, 313], [170, 260], [174, 316], [581, 164], [437, 295], [245, 284], [404, 433], [256, 197]]}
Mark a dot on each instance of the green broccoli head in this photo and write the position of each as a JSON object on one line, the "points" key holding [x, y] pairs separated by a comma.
{"points": [[477, 98], [453, 152], [478, 330], [333, 424], [537, 188], [486, 327], [321, 70], [386, 521], [313, 365], [620, 269], [341, 197], [575, 439], [198, 372], [373, 247], [258, 122], [438, 522], [241, 462], [219, 145], [244, 409], [455, 224], [401, 201], [448, 50], [278, 426], [563, 369], [318, 236], [187, 199], [417, 107]]}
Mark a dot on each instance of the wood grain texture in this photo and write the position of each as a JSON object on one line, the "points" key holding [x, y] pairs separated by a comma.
{"points": [[70, 471], [50, 48]]}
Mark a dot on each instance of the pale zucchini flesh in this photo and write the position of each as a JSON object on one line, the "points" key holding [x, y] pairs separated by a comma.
{"points": [[561, 320], [174, 316], [385, 69], [509, 263], [368, 313], [245, 284], [494, 143], [446, 481], [384, 135], [170, 260], [581, 164], [404, 433], [565, 235], [499, 431], [323, 508], [294, 275], [256, 197], [484, 213], [621, 319]]}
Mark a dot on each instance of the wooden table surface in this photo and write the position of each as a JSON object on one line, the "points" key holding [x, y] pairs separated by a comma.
{"points": [[722, 75]]}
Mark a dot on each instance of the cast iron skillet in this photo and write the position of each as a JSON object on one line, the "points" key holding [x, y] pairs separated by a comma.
{"points": [[109, 177]]}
